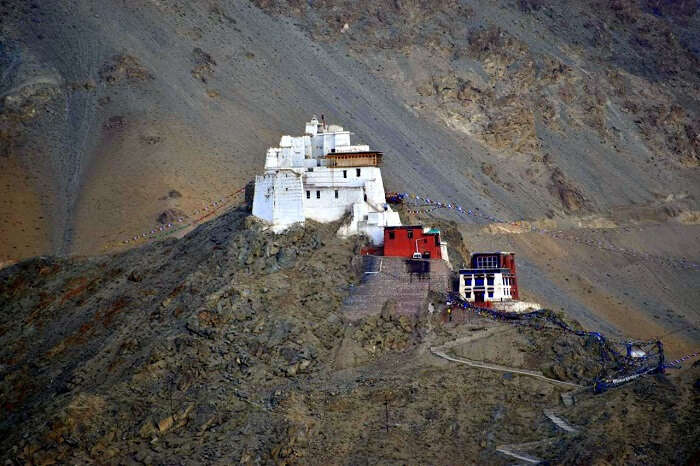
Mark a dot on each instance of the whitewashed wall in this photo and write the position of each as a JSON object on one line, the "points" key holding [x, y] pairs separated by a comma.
{"points": [[501, 291], [278, 199]]}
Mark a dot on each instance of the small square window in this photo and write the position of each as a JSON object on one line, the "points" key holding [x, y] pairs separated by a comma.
{"points": [[336, 194], [310, 169], [357, 170], [490, 294], [308, 194], [318, 194]]}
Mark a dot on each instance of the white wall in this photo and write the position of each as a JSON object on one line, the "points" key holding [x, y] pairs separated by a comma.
{"points": [[501, 291], [369, 222], [328, 208], [291, 153], [278, 199], [342, 149], [443, 251], [351, 189]]}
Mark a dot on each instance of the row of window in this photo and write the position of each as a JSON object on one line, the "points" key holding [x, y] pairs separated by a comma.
{"points": [[345, 172], [409, 234], [489, 293], [487, 262], [318, 195], [506, 281]]}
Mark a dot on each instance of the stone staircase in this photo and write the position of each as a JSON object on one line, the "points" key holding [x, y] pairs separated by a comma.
{"points": [[406, 281]]}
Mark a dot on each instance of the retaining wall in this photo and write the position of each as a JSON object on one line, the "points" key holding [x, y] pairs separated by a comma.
{"points": [[406, 281]]}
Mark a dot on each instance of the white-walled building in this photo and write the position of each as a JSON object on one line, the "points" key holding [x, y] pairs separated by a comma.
{"points": [[321, 176], [483, 285], [491, 278]]}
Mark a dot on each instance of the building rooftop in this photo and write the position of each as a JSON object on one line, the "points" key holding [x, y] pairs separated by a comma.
{"points": [[491, 252], [483, 270]]}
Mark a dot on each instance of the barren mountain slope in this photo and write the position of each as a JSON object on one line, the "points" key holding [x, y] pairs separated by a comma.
{"points": [[573, 115], [229, 346], [581, 116], [523, 109]]}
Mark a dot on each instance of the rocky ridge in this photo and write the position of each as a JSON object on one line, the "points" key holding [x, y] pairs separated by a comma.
{"points": [[228, 346]]}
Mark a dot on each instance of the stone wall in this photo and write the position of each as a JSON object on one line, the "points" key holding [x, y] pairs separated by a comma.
{"points": [[405, 281]]}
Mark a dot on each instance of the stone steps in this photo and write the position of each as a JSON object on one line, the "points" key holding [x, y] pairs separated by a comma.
{"points": [[391, 278]]}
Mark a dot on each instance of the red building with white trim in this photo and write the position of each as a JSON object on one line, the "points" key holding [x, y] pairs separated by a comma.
{"points": [[491, 278], [414, 242]]}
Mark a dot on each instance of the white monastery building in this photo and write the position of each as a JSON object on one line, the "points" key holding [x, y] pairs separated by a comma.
{"points": [[321, 176]]}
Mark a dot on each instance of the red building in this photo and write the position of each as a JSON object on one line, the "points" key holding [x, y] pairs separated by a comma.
{"points": [[414, 242]]}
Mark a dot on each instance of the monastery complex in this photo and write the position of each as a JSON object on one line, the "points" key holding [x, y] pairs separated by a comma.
{"points": [[321, 176]]}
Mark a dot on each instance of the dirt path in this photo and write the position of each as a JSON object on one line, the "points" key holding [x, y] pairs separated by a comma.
{"points": [[514, 450], [440, 352], [559, 422]]}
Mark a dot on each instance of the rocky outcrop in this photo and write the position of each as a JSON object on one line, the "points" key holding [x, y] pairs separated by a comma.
{"points": [[124, 68], [204, 65], [230, 345]]}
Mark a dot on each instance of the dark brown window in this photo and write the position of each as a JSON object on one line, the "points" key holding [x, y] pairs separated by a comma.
{"points": [[308, 194], [410, 234], [357, 170], [336, 194], [345, 173], [318, 194], [392, 235]]}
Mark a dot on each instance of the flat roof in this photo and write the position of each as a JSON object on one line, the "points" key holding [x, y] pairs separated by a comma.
{"points": [[432, 231], [489, 253], [494, 270], [347, 155], [398, 227]]}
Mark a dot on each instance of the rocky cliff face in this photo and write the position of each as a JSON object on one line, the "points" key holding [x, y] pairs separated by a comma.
{"points": [[229, 346], [178, 325]]}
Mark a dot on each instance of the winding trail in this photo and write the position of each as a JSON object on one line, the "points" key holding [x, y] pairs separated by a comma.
{"points": [[513, 450], [439, 351]]}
